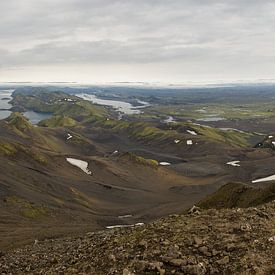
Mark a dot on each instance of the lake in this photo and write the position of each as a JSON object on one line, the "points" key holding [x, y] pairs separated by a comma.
{"points": [[35, 117], [121, 106], [5, 97]]}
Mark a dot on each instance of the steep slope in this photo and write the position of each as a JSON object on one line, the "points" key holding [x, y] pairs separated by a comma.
{"points": [[238, 195], [236, 241], [58, 121], [42, 194]]}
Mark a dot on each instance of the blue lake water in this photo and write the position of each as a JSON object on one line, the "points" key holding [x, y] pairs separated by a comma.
{"points": [[35, 117], [4, 114], [120, 106], [5, 97]]}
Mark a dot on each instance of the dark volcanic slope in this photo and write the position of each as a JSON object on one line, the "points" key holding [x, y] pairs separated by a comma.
{"points": [[236, 241], [42, 195]]}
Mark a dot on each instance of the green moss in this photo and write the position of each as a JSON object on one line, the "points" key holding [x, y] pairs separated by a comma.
{"points": [[139, 160], [28, 209], [149, 132], [58, 121], [230, 137], [57, 104], [19, 121], [238, 195], [40, 158], [82, 198], [7, 148]]}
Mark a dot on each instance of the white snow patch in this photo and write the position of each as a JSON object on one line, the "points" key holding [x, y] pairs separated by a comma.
{"points": [[234, 163], [273, 142], [125, 216], [189, 142], [169, 119], [69, 136], [163, 163], [191, 132], [124, 225], [176, 141], [83, 165], [270, 136], [232, 129], [264, 179]]}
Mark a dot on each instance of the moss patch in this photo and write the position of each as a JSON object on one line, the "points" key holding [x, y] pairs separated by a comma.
{"points": [[28, 209], [238, 195], [7, 148], [139, 160], [58, 121]]}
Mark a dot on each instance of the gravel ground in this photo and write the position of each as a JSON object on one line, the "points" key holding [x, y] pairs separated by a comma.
{"points": [[230, 241]]}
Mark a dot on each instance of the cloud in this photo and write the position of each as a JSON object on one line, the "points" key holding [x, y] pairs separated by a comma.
{"points": [[179, 33]]}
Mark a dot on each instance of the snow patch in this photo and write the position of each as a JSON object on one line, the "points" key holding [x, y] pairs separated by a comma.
{"points": [[125, 216], [264, 179], [163, 163], [124, 225], [234, 163], [191, 132], [270, 136], [169, 119], [83, 165], [69, 136], [176, 141], [189, 142]]}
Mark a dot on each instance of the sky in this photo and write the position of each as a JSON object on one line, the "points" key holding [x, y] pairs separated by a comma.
{"points": [[166, 41]]}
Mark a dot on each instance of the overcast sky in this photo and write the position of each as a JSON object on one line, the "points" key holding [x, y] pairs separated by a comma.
{"points": [[136, 40]]}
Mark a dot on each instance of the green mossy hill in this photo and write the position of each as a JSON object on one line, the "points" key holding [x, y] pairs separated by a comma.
{"points": [[138, 130], [230, 136], [58, 121], [17, 124], [149, 132], [58, 103], [238, 195], [12, 149], [139, 160], [18, 121]]}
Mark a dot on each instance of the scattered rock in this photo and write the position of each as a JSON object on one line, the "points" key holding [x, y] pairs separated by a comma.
{"points": [[194, 210], [178, 262], [213, 242], [223, 261], [271, 239]]}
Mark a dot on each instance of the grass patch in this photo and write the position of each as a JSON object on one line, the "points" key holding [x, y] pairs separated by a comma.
{"points": [[238, 195], [139, 160], [230, 137], [58, 121], [7, 148], [28, 209]]}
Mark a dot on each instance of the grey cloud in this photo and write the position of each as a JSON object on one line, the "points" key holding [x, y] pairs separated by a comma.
{"points": [[49, 32]]}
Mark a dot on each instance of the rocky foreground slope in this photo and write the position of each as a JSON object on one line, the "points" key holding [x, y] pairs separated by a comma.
{"points": [[227, 241]]}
